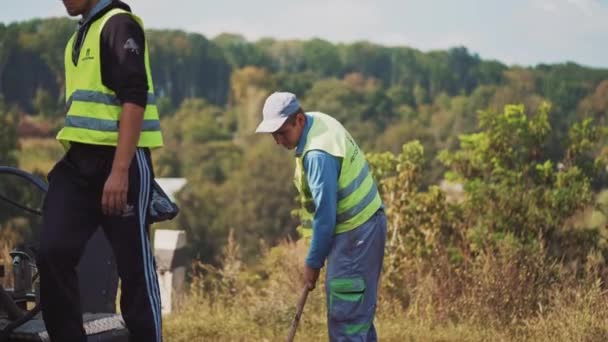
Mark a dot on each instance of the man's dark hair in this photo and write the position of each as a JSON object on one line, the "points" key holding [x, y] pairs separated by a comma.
{"points": [[291, 120]]}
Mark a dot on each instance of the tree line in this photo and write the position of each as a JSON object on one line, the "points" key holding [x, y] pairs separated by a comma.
{"points": [[210, 92]]}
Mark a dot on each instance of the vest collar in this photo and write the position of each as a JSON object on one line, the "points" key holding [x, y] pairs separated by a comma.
{"points": [[96, 9], [304, 136]]}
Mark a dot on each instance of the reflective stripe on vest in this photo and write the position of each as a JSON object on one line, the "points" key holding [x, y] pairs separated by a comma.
{"points": [[99, 97], [93, 110], [103, 125], [358, 197]]}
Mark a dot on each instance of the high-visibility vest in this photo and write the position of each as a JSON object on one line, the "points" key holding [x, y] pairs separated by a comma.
{"points": [[358, 197], [93, 110]]}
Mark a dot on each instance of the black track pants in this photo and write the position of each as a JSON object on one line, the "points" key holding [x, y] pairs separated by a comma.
{"points": [[71, 215]]}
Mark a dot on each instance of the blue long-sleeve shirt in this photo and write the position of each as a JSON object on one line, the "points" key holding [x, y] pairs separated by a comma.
{"points": [[322, 171]]}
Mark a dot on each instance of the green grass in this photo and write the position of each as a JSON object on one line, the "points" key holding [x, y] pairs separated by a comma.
{"points": [[239, 303], [198, 321]]}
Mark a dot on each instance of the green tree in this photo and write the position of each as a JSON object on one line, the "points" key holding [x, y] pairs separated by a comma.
{"points": [[8, 157], [322, 57], [186, 65], [190, 135], [249, 88], [501, 240], [44, 104], [255, 201], [8, 135], [595, 105], [240, 53], [287, 56], [370, 60], [507, 170], [339, 98]]}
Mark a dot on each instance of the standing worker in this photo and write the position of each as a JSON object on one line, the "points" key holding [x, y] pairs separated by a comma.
{"points": [[105, 176], [345, 214]]}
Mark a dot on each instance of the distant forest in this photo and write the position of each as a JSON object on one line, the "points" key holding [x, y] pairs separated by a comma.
{"points": [[210, 93]]}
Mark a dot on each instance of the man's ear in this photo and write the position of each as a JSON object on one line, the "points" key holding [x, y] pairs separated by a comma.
{"points": [[301, 119]]}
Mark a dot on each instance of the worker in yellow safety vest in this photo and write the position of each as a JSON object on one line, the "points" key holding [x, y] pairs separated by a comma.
{"points": [[105, 176], [344, 214]]}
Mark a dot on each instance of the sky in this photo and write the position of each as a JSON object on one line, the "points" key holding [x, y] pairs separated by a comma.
{"points": [[514, 32]]}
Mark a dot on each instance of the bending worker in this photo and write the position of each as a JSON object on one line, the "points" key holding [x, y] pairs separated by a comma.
{"points": [[345, 213], [105, 176]]}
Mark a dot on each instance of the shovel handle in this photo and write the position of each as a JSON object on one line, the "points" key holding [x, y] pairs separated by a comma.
{"points": [[296, 318]]}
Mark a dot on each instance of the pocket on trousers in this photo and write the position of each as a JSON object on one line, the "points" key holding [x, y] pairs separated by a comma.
{"points": [[346, 297]]}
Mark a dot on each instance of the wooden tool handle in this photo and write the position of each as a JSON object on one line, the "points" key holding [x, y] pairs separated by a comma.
{"points": [[296, 318]]}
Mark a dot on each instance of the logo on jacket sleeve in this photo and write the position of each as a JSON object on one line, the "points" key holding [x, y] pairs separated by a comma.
{"points": [[131, 46]]}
